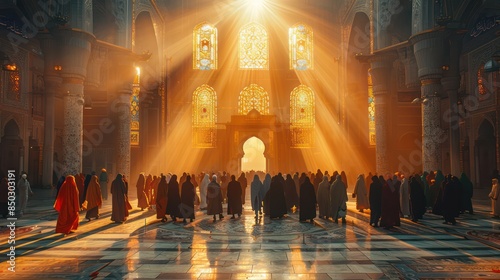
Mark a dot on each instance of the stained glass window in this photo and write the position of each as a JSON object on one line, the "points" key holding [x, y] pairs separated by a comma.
{"points": [[204, 117], [205, 47], [302, 116], [300, 38], [371, 110], [253, 97], [13, 85], [481, 80], [254, 47], [134, 109]]}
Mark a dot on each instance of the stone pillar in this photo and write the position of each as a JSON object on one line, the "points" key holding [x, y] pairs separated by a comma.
{"points": [[123, 137], [381, 67], [429, 52]]}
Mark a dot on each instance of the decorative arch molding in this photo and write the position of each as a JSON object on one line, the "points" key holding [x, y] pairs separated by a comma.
{"points": [[156, 17], [18, 120], [485, 119]]}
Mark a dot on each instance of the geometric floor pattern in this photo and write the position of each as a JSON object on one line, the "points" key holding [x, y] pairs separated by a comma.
{"points": [[144, 248]]}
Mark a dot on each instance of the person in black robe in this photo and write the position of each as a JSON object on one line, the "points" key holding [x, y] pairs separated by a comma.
{"points": [[85, 187], [277, 199], [467, 192], [214, 199], [234, 205], [187, 200], [173, 199], [291, 197], [451, 199], [375, 201], [161, 199], [417, 199], [318, 178], [307, 201], [244, 184], [389, 216]]}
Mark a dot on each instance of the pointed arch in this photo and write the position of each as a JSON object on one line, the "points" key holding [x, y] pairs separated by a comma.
{"points": [[205, 47], [204, 117], [253, 47], [300, 37], [302, 116], [253, 97]]}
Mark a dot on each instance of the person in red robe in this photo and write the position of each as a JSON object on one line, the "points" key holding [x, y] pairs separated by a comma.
{"points": [[390, 203], [161, 200], [94, 198], [119, 210], [68, 205]]}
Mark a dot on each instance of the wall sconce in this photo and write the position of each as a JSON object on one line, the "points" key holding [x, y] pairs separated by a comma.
{"points": [[87, 103], [445, 67], [493, 64], [57, 67]]}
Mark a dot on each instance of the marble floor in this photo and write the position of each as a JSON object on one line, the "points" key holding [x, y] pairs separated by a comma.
{"points": [[145, 248]]}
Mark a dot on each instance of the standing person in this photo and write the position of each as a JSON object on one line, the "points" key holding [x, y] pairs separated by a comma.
{"points": [[203, 192], [307, 201], [173, 199], [296, 180], [323, 198], [266, 185], [375, 201], [417, 198], [119, 209], [214, 199], [142, 199], [161, 199], [494, 194], [94, 198], [255, 194], [234, 190], [318, 178], [80, 181], [68, 205], [338, 200], [23, 185], [277, 207], [467, 192], [4, 197], [450, 199], [86, 183], [187, 200], [244, 184], [404, 197], [103, 181], [292, 199], [361, 194], [390, 203], [224, 180], [343, 176]]}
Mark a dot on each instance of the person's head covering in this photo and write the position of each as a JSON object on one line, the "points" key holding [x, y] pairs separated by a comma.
{"points": [[233, 177], [214, 178]]}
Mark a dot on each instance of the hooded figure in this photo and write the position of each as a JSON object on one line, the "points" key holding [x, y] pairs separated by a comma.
{"points": [[266, 185], [467, 192], [277, 199], [142, 199], [68, 205], [390, 203], [94, 198], [214, 199], [23, 186], [417, 198], [187, 200], [375, 201], [103, 181], [494, 195], [119, 210], [323, 198], [361, 195], [404, 198], [234, 205], [161, 199], [338, 199], [292, 199], [307, 201], [203, 192], [173, 198], [256, 195], [243, 183]]}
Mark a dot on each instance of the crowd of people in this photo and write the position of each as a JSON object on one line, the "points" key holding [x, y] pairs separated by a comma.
{"points": [[389, 198]]}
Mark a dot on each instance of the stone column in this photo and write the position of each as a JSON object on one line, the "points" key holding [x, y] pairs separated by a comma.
{"points": [[123, 137], [429, 52], [381, 67]]}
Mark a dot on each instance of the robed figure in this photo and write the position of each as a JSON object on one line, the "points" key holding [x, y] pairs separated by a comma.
{"points": [[142, 199], [256, 195], [243, 183], [187, 199], [323, 198], [214, 199], [94, 198], [266, 185], [119, 210], [417, 198], [291, 196], [390, 203], [173, 199], [277, 207], [203, 192], [375, 201], [361, 195], [161, 199], [450, 199], [103, 181], [338, 200], [404, 198], [467, 192], [234, 205], [307, 201], [68, 205], [494, 195]]}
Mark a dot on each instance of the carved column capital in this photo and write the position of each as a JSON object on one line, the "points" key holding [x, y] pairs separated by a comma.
{"points": [[429, 50], [381, 68]]}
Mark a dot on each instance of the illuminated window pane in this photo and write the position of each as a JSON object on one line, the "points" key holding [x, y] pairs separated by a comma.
{"points": [[254, 49], [204, 117], [371, 110], [205, 47], [253, 97], [134, 110], [14, 86], [302, 116], [300, 38]]}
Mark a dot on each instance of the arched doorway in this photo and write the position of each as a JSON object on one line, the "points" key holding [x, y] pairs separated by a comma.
{"points": [[253, 157], [485, 154], [11, 148]]}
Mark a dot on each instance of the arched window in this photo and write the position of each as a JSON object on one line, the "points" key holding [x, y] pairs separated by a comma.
{"points": [[204, 117], [254, 47], [12, 86], [371, 110], [253, 97], [302, 116], [205, 47], [300, 38], [134, 109]]}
